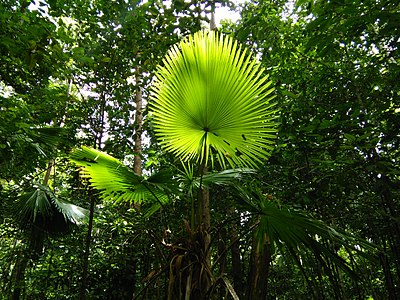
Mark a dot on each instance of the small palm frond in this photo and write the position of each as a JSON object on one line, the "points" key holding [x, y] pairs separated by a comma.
{"points": [[226, 177], [295, 229], [190, 182], [40, 214], [45, 139], [49, 136], [116, 182], [41, 207], [210, 97], [73, 213], [34, 203]]}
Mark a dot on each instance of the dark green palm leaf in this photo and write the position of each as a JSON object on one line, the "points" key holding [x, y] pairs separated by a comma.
{"points": [[41, 207], [226, 177], [295, 229]]}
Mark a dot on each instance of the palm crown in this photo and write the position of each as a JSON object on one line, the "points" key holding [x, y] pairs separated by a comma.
{"points": [[210, 96]]}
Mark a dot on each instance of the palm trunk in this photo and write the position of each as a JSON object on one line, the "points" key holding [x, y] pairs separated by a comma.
{"points": [[204, 208]]}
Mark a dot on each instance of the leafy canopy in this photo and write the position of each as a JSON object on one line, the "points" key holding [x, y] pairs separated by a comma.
{"points": [[211, 96]]}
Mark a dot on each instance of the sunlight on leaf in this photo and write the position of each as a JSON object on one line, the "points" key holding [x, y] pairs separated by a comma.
{"points": [[211, 100]]}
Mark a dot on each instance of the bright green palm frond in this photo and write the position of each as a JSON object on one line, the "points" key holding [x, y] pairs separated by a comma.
{"points": [[117, 182], [285, 226], [210, 97]]}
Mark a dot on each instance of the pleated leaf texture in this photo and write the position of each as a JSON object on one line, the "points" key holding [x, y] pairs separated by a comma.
{"points": [[212, 101]]}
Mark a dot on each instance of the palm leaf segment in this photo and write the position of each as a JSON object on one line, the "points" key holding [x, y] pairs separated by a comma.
{"points": [[211, 96], [116, 182]]}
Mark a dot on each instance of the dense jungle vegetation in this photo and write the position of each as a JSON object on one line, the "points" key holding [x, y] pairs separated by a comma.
{"points": [[145, 154]]}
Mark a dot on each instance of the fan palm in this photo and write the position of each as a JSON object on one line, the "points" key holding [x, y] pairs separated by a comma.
{"points": [[210, 96], [210, 102], [285, 227], [281, 228], [42, 214]]}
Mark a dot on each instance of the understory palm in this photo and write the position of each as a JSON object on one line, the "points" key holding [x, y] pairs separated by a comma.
{"points": [[211, 106]]}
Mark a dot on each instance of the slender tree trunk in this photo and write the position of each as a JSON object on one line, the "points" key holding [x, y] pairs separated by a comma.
{"points": [[87, 250], [213, 26], [390, 286], [205, 220], [137, 165], [100, 126], [48, 173], [18, 276], [235, 253], [259, 270], [384, 186]]}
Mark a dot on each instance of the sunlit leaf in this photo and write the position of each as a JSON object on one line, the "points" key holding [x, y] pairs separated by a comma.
{"points": [[212, 100]]}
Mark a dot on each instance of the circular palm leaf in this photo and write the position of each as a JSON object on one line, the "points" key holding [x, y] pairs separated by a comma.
{"points": [[210, 97]]}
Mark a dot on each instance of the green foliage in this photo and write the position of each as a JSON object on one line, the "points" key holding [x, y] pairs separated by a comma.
{"points": [[296, 230], [335, 68], [336, 154], [40, 206], [211, 97], [116, 182]]}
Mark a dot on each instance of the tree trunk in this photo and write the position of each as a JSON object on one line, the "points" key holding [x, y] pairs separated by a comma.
{"points": [[18, 276], [205, 220], [259, 270], [137, 163], [213, 26], [87, 250], [384, 186], [235, 253], [99, 125]]}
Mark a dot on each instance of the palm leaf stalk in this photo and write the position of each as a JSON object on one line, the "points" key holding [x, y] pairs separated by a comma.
{"points": [[118, 183]]}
